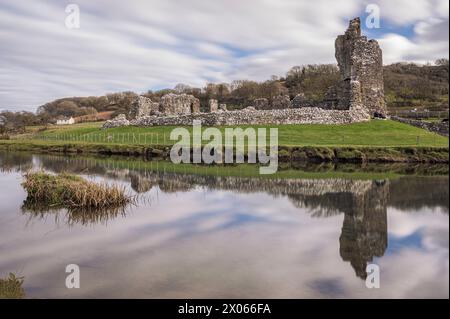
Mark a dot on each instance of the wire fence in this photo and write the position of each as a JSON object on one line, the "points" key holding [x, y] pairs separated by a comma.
{"points": [[115, 138], [131, 138]]}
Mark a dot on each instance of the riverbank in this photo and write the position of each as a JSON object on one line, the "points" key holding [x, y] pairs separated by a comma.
{"points": [[286, 154]]}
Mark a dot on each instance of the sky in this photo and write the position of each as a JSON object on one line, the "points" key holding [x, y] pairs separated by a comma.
{"points": [[149, 45]]}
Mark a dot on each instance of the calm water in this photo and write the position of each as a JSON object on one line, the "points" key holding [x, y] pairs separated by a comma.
{"points": [[217, 236]]}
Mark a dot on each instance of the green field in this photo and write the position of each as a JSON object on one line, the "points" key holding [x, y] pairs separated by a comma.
{"points": [[376, 133]]}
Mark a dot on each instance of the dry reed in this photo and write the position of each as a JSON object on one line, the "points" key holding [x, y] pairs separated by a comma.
{"points": [[71, 191]]}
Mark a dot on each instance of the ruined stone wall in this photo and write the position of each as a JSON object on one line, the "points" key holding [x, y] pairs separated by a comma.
{"points": [[361, 66], [440, 128], [118, 121], [143, 106], [251, 116], [172, 104], [213, 105]]}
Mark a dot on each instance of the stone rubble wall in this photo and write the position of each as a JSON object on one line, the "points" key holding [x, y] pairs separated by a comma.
{"points": [[172, 104], [251, 116], [441, 128], [213, 105], [143, 106], [119, 120]]}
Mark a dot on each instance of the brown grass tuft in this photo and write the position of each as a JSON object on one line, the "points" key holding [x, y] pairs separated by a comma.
{"points": [[71, 191]]}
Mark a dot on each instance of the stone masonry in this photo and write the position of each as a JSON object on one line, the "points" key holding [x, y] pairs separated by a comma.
{"points": [[143, 106], [251, 116], [361, 66], [173, 104], [119, 120], [213, 105]]}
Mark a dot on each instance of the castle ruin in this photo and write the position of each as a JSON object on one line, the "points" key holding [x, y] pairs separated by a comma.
{"points": [[357, 97], [360, 63]]}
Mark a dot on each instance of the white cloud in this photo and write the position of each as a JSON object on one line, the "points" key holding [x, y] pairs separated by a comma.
{"points": [[151, 44], [402, 11]]}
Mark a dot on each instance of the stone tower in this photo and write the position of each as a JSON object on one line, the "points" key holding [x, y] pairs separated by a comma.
{"points": [[360, 63]]}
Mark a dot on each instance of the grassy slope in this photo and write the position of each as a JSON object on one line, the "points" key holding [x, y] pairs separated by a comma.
{"points": [[374, 133]]}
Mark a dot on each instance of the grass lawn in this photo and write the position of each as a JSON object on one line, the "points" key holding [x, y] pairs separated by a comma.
{"points": [[377, 133]]}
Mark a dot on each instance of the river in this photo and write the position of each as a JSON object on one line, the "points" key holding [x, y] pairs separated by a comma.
{"points": [[229, 234]]}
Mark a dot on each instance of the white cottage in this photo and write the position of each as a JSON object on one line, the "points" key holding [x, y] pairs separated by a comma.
{"points": [[65, 121]]}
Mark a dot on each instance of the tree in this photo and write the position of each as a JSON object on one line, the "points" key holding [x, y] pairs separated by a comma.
{"points": [[15, 122], [442, 62], [67, 108], [181, 88]]}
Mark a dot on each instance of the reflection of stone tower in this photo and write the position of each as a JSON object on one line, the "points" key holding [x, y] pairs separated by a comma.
{"points": [[364, 231], [360, 62]]}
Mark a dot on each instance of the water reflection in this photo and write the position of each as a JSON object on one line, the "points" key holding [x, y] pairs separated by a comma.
{"points": [[72, 216], [15, 161], [362, 203]]}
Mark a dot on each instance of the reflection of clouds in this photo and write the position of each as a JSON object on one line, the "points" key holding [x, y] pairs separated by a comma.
{"points": [[402, 223], [217, 244], [415, 273], [418, 271]]}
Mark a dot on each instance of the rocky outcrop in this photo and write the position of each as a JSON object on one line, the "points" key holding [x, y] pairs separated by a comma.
{"points": [[119, 120], [178, 104], [143, 106], [361, 66]]}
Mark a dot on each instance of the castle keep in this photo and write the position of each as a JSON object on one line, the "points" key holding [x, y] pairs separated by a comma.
{"points": [[361, 66], [358, 96]]}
